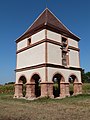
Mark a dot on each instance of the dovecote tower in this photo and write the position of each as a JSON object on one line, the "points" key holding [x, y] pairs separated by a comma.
{"points": [[47, 60]]}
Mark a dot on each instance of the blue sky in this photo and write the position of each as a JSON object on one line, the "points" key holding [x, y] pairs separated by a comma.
{"points": [[17, 15]]}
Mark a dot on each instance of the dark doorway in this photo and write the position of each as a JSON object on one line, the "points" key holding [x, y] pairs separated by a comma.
{"points": [[72, 79], [23, 81], [56, 86], [36, 79]]}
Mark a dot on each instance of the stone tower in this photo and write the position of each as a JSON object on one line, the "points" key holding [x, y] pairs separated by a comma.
{"points": [[47, 59]]}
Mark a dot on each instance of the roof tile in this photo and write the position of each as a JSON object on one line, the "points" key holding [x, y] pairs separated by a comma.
{"points": [[48, 20]]}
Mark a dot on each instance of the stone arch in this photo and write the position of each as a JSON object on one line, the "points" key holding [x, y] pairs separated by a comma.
{"points": [[39, 77], [57, 80], [73, 77], [73, 81], [62, 77], [36, 79], [22, 80]]}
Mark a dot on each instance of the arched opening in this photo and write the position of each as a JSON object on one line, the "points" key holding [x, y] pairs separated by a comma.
{"points": [[72, 80], [56, 86], [36, 78], [22, 80]]}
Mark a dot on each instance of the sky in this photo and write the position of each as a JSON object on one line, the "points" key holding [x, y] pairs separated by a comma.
{"points": [[17, 15]]}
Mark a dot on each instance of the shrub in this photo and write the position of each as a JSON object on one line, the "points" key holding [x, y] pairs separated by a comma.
{"points": [[7, 89]]}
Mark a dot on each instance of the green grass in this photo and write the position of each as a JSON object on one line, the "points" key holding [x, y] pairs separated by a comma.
{"points": [[86, 88], [69, 108]]}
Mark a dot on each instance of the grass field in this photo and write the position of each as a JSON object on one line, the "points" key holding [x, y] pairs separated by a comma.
{"points": [[71, 108]]}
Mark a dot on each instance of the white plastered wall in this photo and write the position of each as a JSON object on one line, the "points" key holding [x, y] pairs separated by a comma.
{"points": [[64, 72], [74, 58], [54, 54], [72, 43], [31, 57], [51, 72], [29, 73], [38, 36], [53, 36], [22, 44], [34, 38]]}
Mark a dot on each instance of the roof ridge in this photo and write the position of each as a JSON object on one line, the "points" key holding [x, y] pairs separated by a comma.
{"points": [[31, 24], [48, 20], [61, 22], [35, 20]]}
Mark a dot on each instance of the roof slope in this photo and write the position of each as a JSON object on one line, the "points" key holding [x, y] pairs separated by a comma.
{"points": [[49, 21]]}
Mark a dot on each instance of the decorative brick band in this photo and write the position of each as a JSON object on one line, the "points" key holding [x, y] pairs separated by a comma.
{"points": [[74, 48], [45, 40], [47, 65], [39, 42]]}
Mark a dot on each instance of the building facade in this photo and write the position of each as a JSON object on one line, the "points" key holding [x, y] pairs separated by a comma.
{"points": [[47, 60]]}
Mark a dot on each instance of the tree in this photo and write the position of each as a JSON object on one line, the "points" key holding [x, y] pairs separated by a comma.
{"points": [[85, 76]]}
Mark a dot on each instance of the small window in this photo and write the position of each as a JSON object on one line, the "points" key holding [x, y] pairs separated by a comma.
{"points": [[64, 55], [64, 62], [64, 58], [64, 46], [64, 40], [64, 51], [29, 42]]}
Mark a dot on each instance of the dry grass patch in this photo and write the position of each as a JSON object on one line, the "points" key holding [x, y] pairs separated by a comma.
{"points": [[74, 108]]}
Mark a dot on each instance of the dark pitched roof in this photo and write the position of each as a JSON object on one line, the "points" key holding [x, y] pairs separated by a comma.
{"points": [[49, 21]]}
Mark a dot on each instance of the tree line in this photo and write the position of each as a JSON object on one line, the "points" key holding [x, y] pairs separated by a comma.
{"points": [[85, 76]]}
